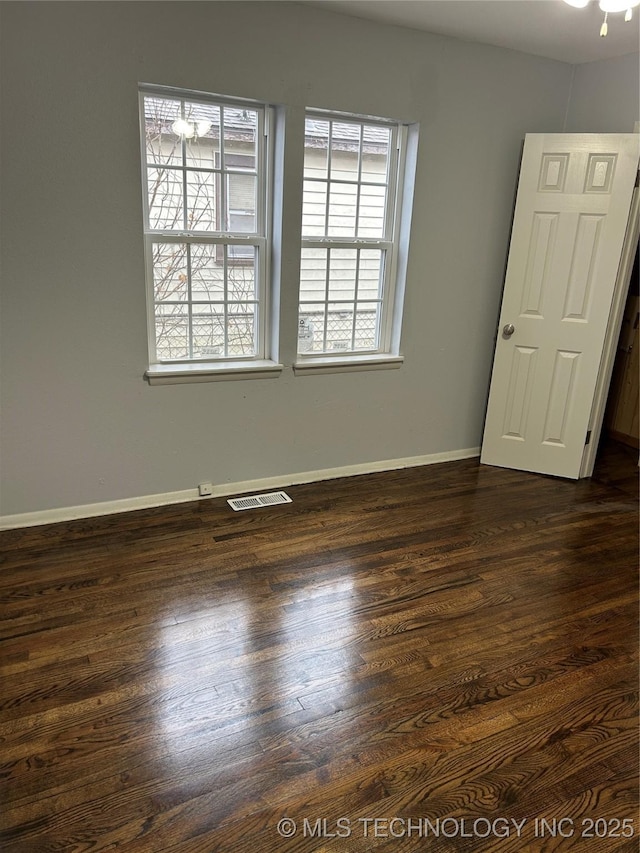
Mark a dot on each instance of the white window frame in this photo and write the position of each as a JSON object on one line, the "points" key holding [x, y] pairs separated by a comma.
{"points": [[393, 243], [190, 369]]}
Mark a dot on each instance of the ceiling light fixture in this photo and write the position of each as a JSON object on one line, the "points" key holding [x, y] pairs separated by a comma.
{"points": [[617, 5], [608, 6], [189, 129], [182, 127]]}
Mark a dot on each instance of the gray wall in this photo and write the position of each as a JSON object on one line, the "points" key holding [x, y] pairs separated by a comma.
{"points": [[605, 96], [79, 424]]}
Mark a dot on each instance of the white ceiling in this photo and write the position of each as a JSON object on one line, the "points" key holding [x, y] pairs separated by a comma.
{"points": [[548, 28]]}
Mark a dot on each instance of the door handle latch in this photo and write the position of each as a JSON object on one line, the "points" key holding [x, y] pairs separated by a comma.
{"points": [[508, 330]]}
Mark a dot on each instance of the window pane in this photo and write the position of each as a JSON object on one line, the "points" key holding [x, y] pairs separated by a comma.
{"points": [[342, 274], [367, 326], [172, 332], [203, 141], [342, 210], [241, 203], [240, 135], [201, 201], [316, 145], [313, 275], [170, 275], [208, 331], [163, 146], [345, 151], [339, 328], [371, 212], [241, 277], [241, 222], [376, 143], [241, 329], [370, 274], [207, 272], [165, 199], [311, 328], [314, 209], [344, 165], [240, 253]]}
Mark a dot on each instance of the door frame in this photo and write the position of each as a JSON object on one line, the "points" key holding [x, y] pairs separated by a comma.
{"points": [[621, 290]]}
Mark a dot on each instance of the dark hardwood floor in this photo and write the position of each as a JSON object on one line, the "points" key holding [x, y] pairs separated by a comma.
{"points": [[451, 650]]}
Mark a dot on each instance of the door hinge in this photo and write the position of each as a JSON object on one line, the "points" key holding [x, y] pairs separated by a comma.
{"points": [[588, 438]]}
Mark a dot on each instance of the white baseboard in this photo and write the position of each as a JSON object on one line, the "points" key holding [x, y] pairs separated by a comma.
{"points": [[69, 513]]}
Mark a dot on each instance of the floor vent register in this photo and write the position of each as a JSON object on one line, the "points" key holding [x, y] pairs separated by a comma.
{"points": [[255, 501]]}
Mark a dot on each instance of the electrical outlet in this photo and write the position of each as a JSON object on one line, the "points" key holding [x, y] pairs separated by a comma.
{"points": [[205, 489]]}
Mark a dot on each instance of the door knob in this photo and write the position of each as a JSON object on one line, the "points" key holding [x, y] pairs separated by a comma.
{"points": [[508, 330]]}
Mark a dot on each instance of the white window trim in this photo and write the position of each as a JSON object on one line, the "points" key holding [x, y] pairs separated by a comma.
{"points": [[396, 243], [261, 365], [348, 363], [208, 371]]}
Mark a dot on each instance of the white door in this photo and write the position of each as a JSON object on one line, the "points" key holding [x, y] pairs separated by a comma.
{"points": [[571, 214]]}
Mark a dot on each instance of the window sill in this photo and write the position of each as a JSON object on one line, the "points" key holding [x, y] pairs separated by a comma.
{"points": [[175, 374], [347, 364]]}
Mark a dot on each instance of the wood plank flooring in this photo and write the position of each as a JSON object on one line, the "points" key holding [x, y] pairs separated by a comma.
{"points": [[441, 659]]}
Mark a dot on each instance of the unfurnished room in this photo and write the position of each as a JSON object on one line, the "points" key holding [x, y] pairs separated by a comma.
{"points": [[319, 434]]}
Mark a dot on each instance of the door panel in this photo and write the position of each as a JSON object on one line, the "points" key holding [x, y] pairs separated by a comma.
{"points": [[519, 394], [572, 207]]}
